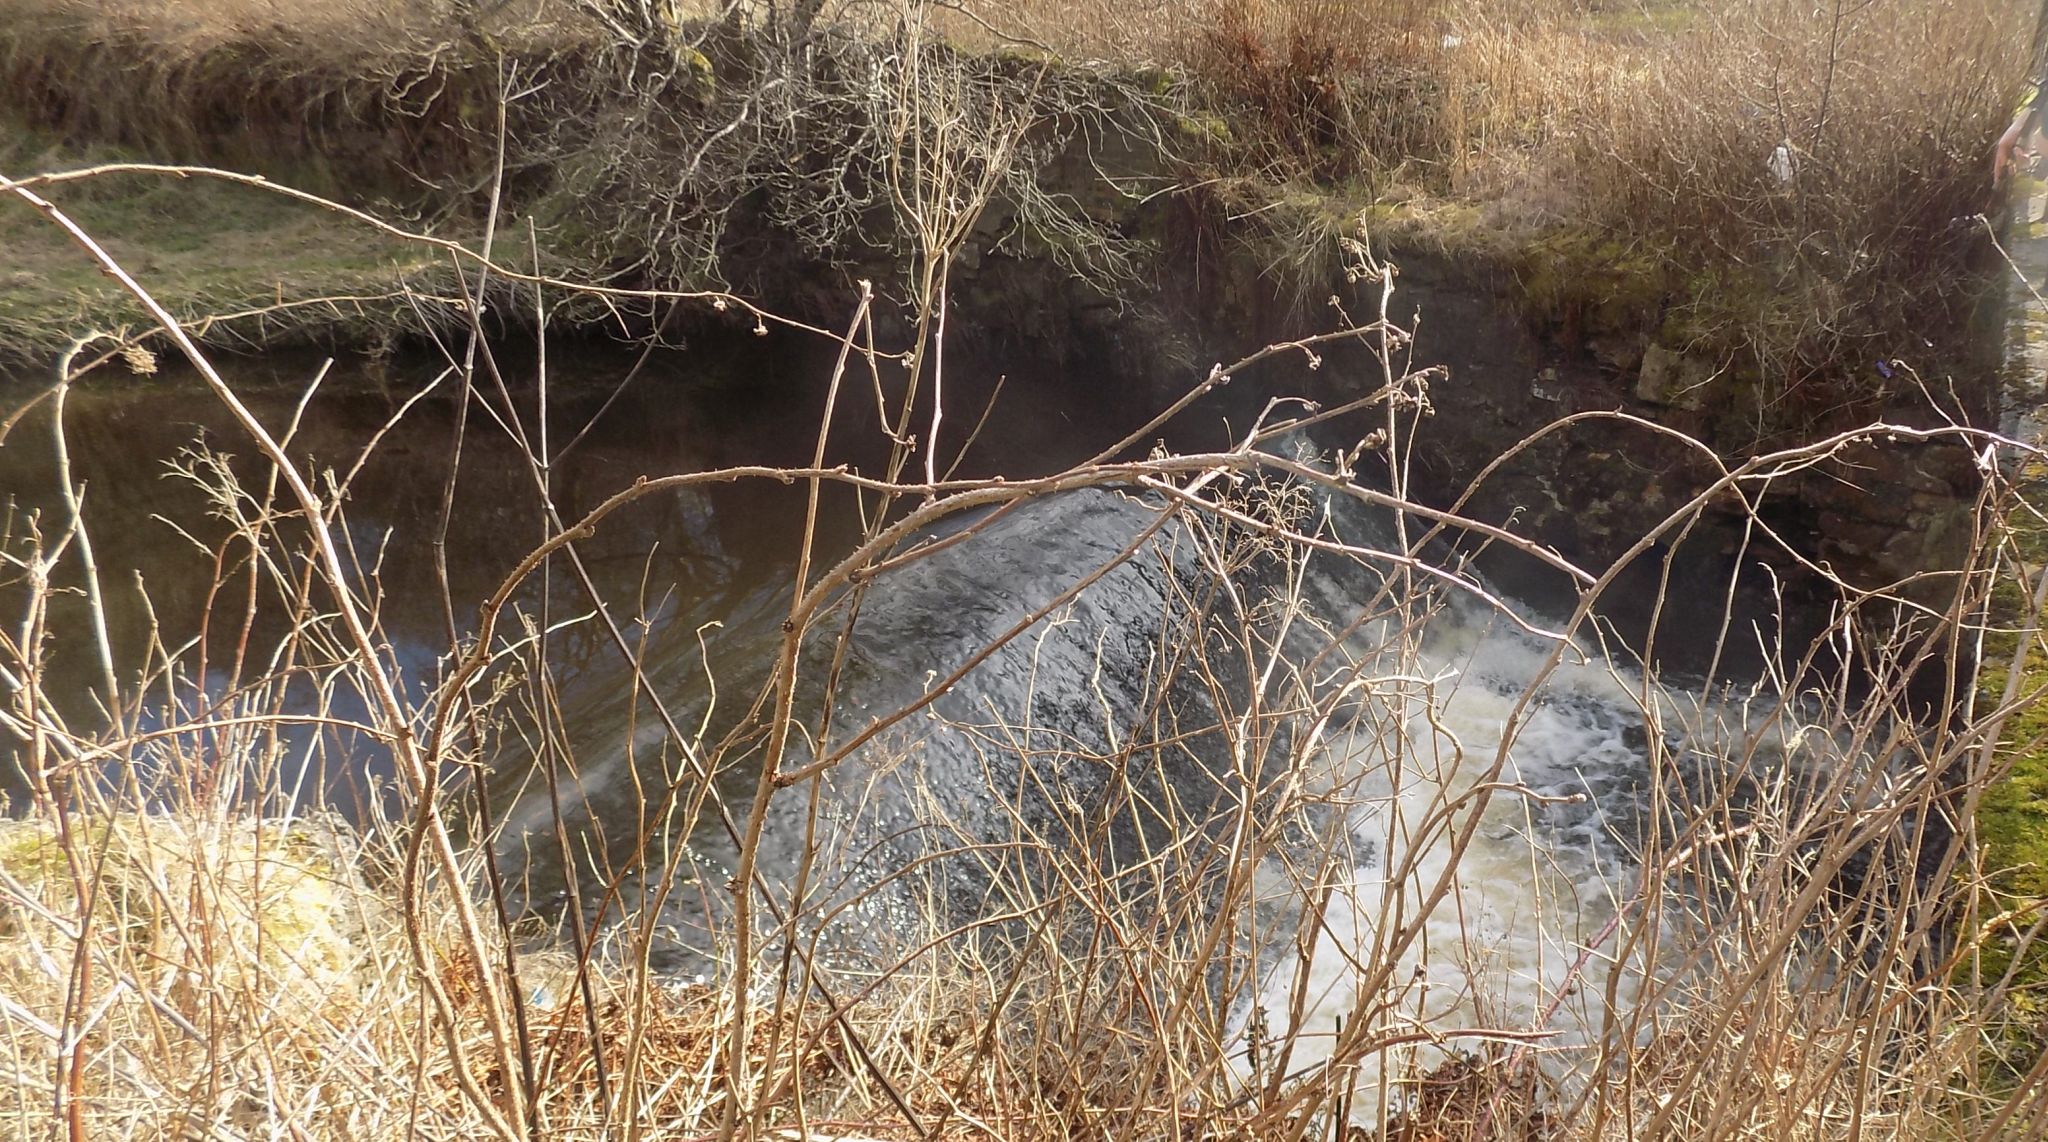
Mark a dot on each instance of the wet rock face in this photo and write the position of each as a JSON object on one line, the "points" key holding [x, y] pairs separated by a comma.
{"points": [[1906, 512], [1043, 754], [1667, 379], [1877, 516]]}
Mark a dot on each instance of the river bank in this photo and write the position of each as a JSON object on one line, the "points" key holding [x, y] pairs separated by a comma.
{"points": [[1581, 226], [1537, 705], [1200, 176]]}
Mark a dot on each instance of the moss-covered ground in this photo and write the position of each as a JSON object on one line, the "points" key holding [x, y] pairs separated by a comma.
{"points": [[2012, 817], [262, 266]]}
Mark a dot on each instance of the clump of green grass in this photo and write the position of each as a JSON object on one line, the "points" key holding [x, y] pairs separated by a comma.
{"points": [[238, 263]]}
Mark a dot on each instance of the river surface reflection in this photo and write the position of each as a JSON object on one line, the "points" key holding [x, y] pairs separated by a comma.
{"points": [[1119, 728], [699, 564]]}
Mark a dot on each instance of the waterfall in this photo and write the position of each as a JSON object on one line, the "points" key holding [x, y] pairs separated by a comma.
{"points": [[1411, 811]]}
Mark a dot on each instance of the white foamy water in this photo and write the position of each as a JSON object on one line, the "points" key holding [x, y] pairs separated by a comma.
{"points": [[1518, 939]]}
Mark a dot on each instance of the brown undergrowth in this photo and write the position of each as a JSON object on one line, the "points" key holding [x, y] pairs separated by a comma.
{"points": [[1776, 190], [1780, 189], [184, 953], [1315, 887]]}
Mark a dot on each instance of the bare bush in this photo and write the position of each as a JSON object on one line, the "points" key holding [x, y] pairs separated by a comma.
{"points": [[1304, 861], [1774, 187], [1303, 830]]}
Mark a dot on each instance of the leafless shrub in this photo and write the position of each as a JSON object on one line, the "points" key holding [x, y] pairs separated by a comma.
{"points": [[1782, 186], [1309, 872]]}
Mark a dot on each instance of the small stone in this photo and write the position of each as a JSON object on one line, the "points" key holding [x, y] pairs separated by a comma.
{"points": [[1672, 379], [1659, 369]]}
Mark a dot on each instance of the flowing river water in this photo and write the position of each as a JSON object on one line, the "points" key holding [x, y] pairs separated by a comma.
{"points": [[1016, 748]]}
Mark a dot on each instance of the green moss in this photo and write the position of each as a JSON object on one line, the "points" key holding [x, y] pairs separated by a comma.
{"points": [[702, 75], [1024, 56], [1157, 81], [1595, 281], [1208, 130], [2012, 818], [200, 247]]}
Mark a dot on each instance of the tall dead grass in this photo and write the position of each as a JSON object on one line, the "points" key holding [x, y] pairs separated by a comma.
{"points": [[1774, 187], [1301, 938], [1807, 174], [1781, 186], [1276, 914]]}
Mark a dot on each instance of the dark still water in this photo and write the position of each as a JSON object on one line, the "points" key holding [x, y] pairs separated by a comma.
{"points": [[692, 574]]}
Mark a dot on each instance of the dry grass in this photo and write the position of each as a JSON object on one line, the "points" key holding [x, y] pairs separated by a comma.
{"points": [[178, 955], [250, 977], [296, 34], [246, 267], [1313, 947], [1777, 188], [1808, 174]]}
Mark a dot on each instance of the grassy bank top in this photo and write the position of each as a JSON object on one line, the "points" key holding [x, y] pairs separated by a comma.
{"points": [[1784, 189]]}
